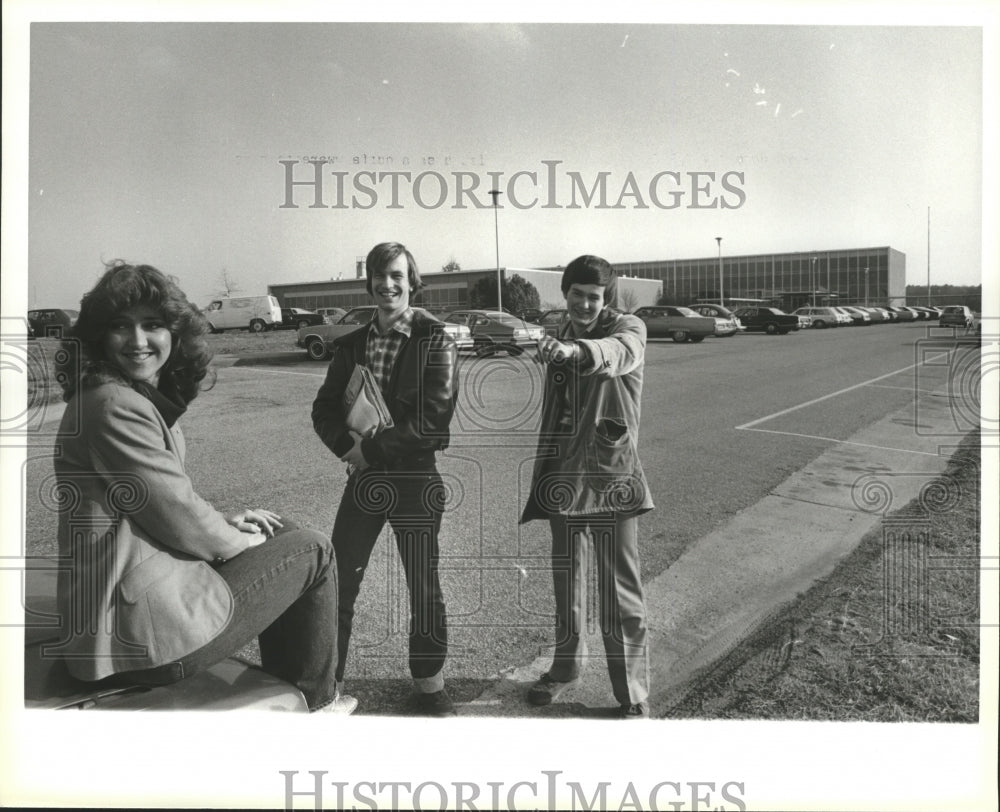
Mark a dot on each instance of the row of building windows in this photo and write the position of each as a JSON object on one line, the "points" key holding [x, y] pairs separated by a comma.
{"points": [[852, 276], [857, 278], [433, 298]]}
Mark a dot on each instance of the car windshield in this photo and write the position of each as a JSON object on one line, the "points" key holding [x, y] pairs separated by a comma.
{"points": [[713, 310], [358, 317]]}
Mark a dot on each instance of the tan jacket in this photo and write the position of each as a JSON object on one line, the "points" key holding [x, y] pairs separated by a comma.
{"points": [[592, 466], [136, 588]]}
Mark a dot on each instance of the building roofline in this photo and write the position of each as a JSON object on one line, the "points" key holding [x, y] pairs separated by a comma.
{"points": [[715, 258]]}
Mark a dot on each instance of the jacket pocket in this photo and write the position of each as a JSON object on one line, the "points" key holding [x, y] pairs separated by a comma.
{"points": [[613, 452], [173, 605]]}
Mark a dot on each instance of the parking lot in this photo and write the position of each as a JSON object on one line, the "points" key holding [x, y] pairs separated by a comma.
{"points": [[724, 422]]}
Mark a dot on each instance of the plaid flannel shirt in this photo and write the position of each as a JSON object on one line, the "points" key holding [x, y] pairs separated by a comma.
{"points": [[382, 349]]}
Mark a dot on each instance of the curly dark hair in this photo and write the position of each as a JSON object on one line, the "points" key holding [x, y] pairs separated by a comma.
{"points": [[122, 287]]}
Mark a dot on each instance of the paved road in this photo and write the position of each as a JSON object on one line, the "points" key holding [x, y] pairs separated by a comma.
{"points": [[725, 422]]}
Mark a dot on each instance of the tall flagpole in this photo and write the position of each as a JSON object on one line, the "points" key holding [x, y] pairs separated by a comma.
{"points": [[928, 256], [495, 193]]}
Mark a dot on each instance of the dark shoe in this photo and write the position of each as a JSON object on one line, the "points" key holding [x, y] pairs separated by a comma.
{"points": [[640, 710], [546, 690], [434, 704]]}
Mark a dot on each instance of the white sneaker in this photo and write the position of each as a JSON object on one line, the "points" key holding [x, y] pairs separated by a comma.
{"points": [[343, 704]]}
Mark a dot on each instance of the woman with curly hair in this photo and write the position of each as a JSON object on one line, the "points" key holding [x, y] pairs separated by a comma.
{"points": [[161, 585]]}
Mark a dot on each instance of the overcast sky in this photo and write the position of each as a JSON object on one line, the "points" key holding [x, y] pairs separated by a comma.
{"points": [[162, 142]]}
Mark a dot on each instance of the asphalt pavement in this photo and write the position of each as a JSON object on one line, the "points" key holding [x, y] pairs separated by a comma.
{"points": [[739, 576], [733, 579], [742, 574]]}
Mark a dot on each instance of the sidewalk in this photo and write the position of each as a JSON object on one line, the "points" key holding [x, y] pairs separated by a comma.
{"points": [[739, 576]]}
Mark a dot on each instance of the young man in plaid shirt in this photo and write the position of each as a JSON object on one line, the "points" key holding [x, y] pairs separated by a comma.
{"points": [[394, 477]]}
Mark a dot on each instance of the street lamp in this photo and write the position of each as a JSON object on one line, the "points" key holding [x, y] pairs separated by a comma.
{"points": [[721, 298], [495, 193]]}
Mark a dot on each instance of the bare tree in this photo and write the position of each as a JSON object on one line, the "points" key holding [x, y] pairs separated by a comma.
{"points": [[451, 266], [628, 299], [227, 284]]}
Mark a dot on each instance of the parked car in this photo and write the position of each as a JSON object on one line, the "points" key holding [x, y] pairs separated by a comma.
{"points": [[679, 323], [531, 314], [317, 339], [956, 316], [461, 334], [902, 313], [887, 314], [552, 320], [857, 316], [296, 317], [876, 315], [928, 313], [232, 684], [726, 323], [917, 314], [50, 322], [494, 331], [331, 314], [819, 317], [771, 320]]}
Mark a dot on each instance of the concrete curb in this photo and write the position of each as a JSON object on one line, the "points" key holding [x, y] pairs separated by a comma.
{"points": [[224, 361], [737, 578]]}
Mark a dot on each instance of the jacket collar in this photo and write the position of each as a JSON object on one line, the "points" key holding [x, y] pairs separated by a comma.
{"points": [[167, 403]]}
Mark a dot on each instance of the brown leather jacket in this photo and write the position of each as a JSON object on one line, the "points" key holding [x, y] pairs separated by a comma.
{"points": [[422, 392]]}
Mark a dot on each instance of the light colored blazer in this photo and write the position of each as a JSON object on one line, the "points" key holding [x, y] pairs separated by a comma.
{"points": [[594, 467], [135, 587]]}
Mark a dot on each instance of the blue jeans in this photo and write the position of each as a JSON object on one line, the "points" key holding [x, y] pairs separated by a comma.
{"points": [[412, 502], [284, 593]]}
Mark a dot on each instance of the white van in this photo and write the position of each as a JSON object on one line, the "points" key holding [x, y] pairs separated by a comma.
{"points": [[254, 313]]}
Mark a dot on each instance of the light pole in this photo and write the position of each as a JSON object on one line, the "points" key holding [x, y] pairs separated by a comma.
{"points": [[812, 282], [866, 287], [722, 302], [495, 193]]}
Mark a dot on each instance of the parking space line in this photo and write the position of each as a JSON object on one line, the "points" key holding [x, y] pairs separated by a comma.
{"points": [[918, 391], [841, 442], [283, 371], [839, 392]]}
